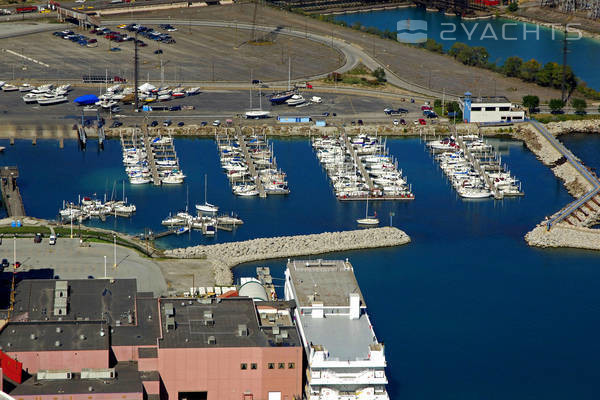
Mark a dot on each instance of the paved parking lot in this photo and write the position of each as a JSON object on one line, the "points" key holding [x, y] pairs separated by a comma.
{"points": [[68, 260]]}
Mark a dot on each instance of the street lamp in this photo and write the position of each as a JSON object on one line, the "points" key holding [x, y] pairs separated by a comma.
{"points": [[104, 266], [115, 250]]}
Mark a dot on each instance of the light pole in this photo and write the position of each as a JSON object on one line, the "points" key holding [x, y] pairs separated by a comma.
{"points": [[115, 250], [391, 215], [15, 252], [104, 266]]}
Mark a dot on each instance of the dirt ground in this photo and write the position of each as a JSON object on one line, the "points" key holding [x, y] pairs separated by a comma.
{"points": [[416, 65]]}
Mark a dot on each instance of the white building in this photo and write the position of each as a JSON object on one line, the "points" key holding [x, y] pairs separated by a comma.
{"points": [[345, 360], [489, 109]]}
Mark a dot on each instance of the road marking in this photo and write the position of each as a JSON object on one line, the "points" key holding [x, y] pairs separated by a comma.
{"points": [[27, 58]]}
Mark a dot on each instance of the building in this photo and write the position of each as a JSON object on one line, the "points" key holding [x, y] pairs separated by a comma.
{"points": [[491, 109], [345, 360], [101, 339]]}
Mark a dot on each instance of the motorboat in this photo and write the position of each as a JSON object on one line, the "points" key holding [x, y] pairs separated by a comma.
{"points": [[26, 87], [192, 91], [257, 114], [281, 97], [182, 230], [30, 98], [139, 180], [295, 100], [172, 179], [9, 88], [48, 101]]}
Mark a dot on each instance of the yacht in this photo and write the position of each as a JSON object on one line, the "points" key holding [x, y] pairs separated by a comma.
{"points": [[47, 101], [139, 180], [30, 98], [9, 88], [295, 100], [181, 230], [26, 87], [172, 179]]}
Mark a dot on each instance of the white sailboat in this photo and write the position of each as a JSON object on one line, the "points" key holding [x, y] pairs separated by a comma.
{"points": [[368, 220], [206, 207]]}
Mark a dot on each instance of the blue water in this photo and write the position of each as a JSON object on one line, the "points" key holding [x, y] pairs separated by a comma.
{"points": [[583, 56], [467, 310]]}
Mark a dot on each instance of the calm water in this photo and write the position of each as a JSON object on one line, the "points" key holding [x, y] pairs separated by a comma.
{"points": [[584, 54], [467, 310]]}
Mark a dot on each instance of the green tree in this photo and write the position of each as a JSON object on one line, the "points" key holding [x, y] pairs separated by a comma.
{"points": [[434, 46], [529, 70], [480, 57], [556, 105], [512, 66], [545, 76], [531, 102], [437, 103], [457, 48], [512, 7], [379, 73], [579, 105]]}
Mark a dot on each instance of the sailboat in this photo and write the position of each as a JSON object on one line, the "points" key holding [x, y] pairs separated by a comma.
{"points": [[256, 114], [206, 207], [368, 220], [282, 97]]}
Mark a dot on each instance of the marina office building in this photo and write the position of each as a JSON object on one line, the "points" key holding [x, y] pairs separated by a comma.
{"points": [[489, 109], [345, 360], [101, 339]]}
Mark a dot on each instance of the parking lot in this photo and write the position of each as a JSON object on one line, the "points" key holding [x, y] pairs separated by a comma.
{"points": [[198, 54], [68, 260]]}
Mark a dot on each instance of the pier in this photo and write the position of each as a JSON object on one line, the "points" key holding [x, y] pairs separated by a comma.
{"points": [[250, 162], [150, 154], [11, 196], [357, 161], [477, 166]]}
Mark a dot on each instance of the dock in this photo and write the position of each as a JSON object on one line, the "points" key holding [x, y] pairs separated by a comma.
{"points": [[150, 154], [357, 161], [478, 167], [11, 196], [250, 162]]}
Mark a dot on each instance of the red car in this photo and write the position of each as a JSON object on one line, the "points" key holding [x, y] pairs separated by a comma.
{"points": [[422, 121], [423, 108]]}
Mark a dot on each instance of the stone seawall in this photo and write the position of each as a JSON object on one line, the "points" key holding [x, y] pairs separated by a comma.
{"points": [[562, 235], [547, 154], [224, 256]]}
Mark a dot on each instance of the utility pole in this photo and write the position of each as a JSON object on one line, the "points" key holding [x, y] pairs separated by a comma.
{"points": [[563, 84], [115, 250], [135, 73]]}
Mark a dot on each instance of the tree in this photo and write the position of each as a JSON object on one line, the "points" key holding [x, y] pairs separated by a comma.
{"points": [[544, 77], [531, 102], [379, 73], [556, 105], [579, 105], [434, 46], [529, 70], [512, 66], [437, 103], [512, 7]]}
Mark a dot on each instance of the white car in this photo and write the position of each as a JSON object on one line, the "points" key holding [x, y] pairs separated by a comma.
{"points": [[396, 122], [52, 240], [216, 122], [79, 1]]}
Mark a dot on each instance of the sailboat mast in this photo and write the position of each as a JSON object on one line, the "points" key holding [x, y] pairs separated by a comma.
{"points": [[289, 72], [205, 199]]}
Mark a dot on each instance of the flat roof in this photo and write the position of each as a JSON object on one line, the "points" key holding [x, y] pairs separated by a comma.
{"points": [[191, 330], [488, 99], [88, 299], [127, 381], [328, 281], [344, 338], [145, 328], [43, 336]]}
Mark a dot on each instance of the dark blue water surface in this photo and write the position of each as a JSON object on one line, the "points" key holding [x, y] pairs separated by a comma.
{"points": [[467, 310], [544, 44]]}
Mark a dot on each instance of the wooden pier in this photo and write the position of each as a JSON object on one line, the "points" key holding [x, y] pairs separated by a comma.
{"points": [[357, 160], [479, 168], [250, 162], [11, 196], [150, 154]]}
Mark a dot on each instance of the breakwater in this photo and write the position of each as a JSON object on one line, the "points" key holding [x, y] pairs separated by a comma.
{"points": [[224, 256], [564, 236]]}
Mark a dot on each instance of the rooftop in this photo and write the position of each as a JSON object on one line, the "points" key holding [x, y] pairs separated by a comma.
{"points": [[219, 323], [55, 335], [488, 99], [127, 381], [327, 281], [345, 339]]}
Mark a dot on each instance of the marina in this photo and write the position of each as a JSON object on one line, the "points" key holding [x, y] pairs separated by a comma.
{"points": [[473, 168], [250, 165], [88, 207], [361, 168]]}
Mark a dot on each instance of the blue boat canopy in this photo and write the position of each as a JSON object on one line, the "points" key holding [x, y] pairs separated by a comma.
{"points": [[86, 99]]}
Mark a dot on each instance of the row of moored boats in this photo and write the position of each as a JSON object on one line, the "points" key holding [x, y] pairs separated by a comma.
{"points": [[238, 167], [44, 95], [471, 168], [87, 208], [338, 155]]}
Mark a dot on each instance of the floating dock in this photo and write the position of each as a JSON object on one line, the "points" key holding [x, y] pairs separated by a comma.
{"points": [[250, 162]]}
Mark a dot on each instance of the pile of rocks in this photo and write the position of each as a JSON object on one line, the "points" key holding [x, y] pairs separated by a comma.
{"points": [[226, 255], [562, 235]]}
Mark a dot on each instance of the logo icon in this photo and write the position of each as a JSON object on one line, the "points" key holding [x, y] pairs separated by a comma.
{"points": [[411, 31]]}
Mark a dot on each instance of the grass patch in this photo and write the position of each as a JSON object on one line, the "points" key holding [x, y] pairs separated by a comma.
{"points": [[545, 118]]}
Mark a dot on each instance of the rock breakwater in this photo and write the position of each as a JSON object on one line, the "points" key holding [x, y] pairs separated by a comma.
{"points": [[224, 256]]}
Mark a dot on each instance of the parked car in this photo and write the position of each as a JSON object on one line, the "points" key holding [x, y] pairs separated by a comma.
{"points": [[5, 263], [175, 108], [403, 110], [203, 123], [180, 123], [402, 121], [359, 122], [167, 122], [37, 238], [216, 122], [52, 240], [154, 123], [326, 114], [159, 51], [396, 122], [422, 121], [116, 124]]}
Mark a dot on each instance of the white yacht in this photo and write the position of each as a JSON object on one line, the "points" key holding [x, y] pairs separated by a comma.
{"points": [[26, 87], [295, 100], [9, 88], [47, 101]]}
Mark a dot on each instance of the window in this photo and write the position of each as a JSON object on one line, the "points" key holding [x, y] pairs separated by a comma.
{"points": [[475, 108], [291, 365], [271, 365], [504, 108], [490, 109], [281, 365], [253, 366], [244, 366]]}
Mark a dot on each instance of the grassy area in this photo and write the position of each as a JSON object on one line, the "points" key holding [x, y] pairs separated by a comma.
{"points": [[359, 75], [545, 118]]}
